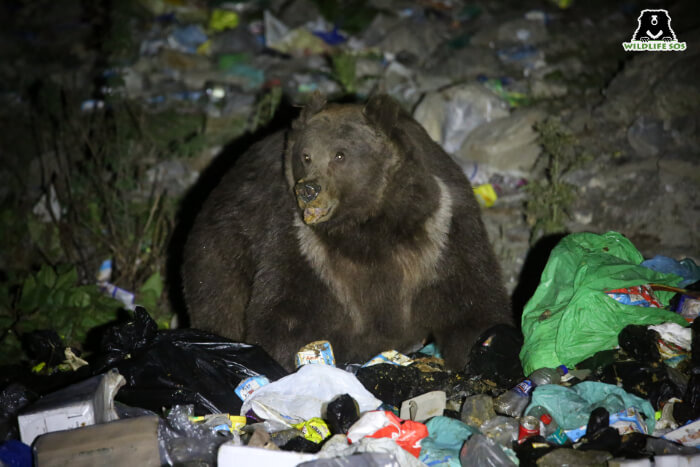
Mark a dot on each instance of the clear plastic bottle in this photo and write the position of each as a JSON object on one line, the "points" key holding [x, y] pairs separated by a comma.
{"points": [[514, 401], [549, 429], [548, 375]]}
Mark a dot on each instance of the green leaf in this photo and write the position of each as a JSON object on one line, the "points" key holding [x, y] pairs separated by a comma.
{"points": [[153, 285], [30, 295], [67, 277], [46, 276], [78, 298]]}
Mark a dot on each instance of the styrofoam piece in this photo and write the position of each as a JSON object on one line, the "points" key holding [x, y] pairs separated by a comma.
{"points": [[82, 404], [231, 455]]}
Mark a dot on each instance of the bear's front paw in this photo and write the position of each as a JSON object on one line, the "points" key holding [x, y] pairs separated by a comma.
{"points": [[667, 39], [644, 39]]}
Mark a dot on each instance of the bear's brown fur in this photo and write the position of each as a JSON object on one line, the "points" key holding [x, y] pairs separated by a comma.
{"points": [[353, 227]]}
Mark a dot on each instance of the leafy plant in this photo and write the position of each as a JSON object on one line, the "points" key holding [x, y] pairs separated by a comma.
{"points": [[266, 107], [94, 167], [549, 199], [344, 71], [51, 299]]}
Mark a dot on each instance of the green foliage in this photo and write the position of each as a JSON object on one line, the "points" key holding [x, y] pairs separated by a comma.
{"points": [[93, 166], [266, 107], [549, 199], [109, 208], [344, 71], [50, 299], [172, 133], [150, 292]]}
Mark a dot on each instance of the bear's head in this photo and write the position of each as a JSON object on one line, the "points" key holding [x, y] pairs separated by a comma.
{"points": [[654, 25], [340, 159]]}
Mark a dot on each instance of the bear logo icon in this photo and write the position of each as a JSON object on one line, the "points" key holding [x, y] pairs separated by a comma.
{"points": [[654, 25], [654, 34]]}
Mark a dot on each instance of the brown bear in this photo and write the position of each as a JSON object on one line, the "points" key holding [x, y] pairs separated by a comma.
{"points": [[353, 227]]}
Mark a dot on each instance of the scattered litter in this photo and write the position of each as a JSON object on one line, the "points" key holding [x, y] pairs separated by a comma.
{"points": [[630, 391]]}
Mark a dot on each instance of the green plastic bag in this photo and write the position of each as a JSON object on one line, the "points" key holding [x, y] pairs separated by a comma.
{"points": [[571, 407], [445, 438], [570, 317]]}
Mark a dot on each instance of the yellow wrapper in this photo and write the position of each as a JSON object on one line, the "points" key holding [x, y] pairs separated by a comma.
{"points": [[237, 422], [222, 19], [485, 195], [314, 429]]}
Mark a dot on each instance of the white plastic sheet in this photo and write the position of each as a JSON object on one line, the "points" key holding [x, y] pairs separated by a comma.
{"points": [[305, 393]]}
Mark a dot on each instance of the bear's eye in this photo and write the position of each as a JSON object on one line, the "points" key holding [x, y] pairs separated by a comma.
{"points": [[307, 158], [339, 156]]}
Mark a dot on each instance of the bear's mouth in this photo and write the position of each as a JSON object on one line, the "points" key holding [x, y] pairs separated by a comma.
{"points": [[315, 214]]}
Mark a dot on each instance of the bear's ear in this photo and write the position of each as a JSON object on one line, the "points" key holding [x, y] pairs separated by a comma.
{"points": [[314, 106], [383, 112]]}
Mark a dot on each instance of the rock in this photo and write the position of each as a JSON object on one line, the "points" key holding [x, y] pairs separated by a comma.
{"points": [[524, 31], [647, 136], [465, 64], [545, 89]]}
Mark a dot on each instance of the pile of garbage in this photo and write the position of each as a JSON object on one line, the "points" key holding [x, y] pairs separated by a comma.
{"points": [[610, 354]]}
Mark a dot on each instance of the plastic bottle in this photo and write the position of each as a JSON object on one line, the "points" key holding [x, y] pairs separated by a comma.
{"points": [[514, 401], [480, 450], [548, 375], [549, 428]]}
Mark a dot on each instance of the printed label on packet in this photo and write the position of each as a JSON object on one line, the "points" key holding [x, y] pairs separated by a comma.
{"points": [[249, 385], [640, 295], [524, 388], [390, 356], [314, 353]]}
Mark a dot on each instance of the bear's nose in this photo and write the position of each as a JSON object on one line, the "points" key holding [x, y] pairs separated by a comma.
{"points": [[307, 191]]}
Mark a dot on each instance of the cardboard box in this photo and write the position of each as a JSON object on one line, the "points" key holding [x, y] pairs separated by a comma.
{"points": [[130, 442], [81, 404]]}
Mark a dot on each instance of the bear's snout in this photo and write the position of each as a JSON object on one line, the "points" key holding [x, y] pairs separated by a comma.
{"points": [[307, 191]]}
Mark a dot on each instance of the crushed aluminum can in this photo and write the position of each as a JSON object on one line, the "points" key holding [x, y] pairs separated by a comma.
{"points": [[529, 426]]}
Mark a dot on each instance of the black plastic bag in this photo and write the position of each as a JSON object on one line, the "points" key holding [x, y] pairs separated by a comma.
{"points": [[12, 399], [651, 381], [598, 421], [182, 366], [495, 356], [640, 343], [689, 409], [342, 412]]}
